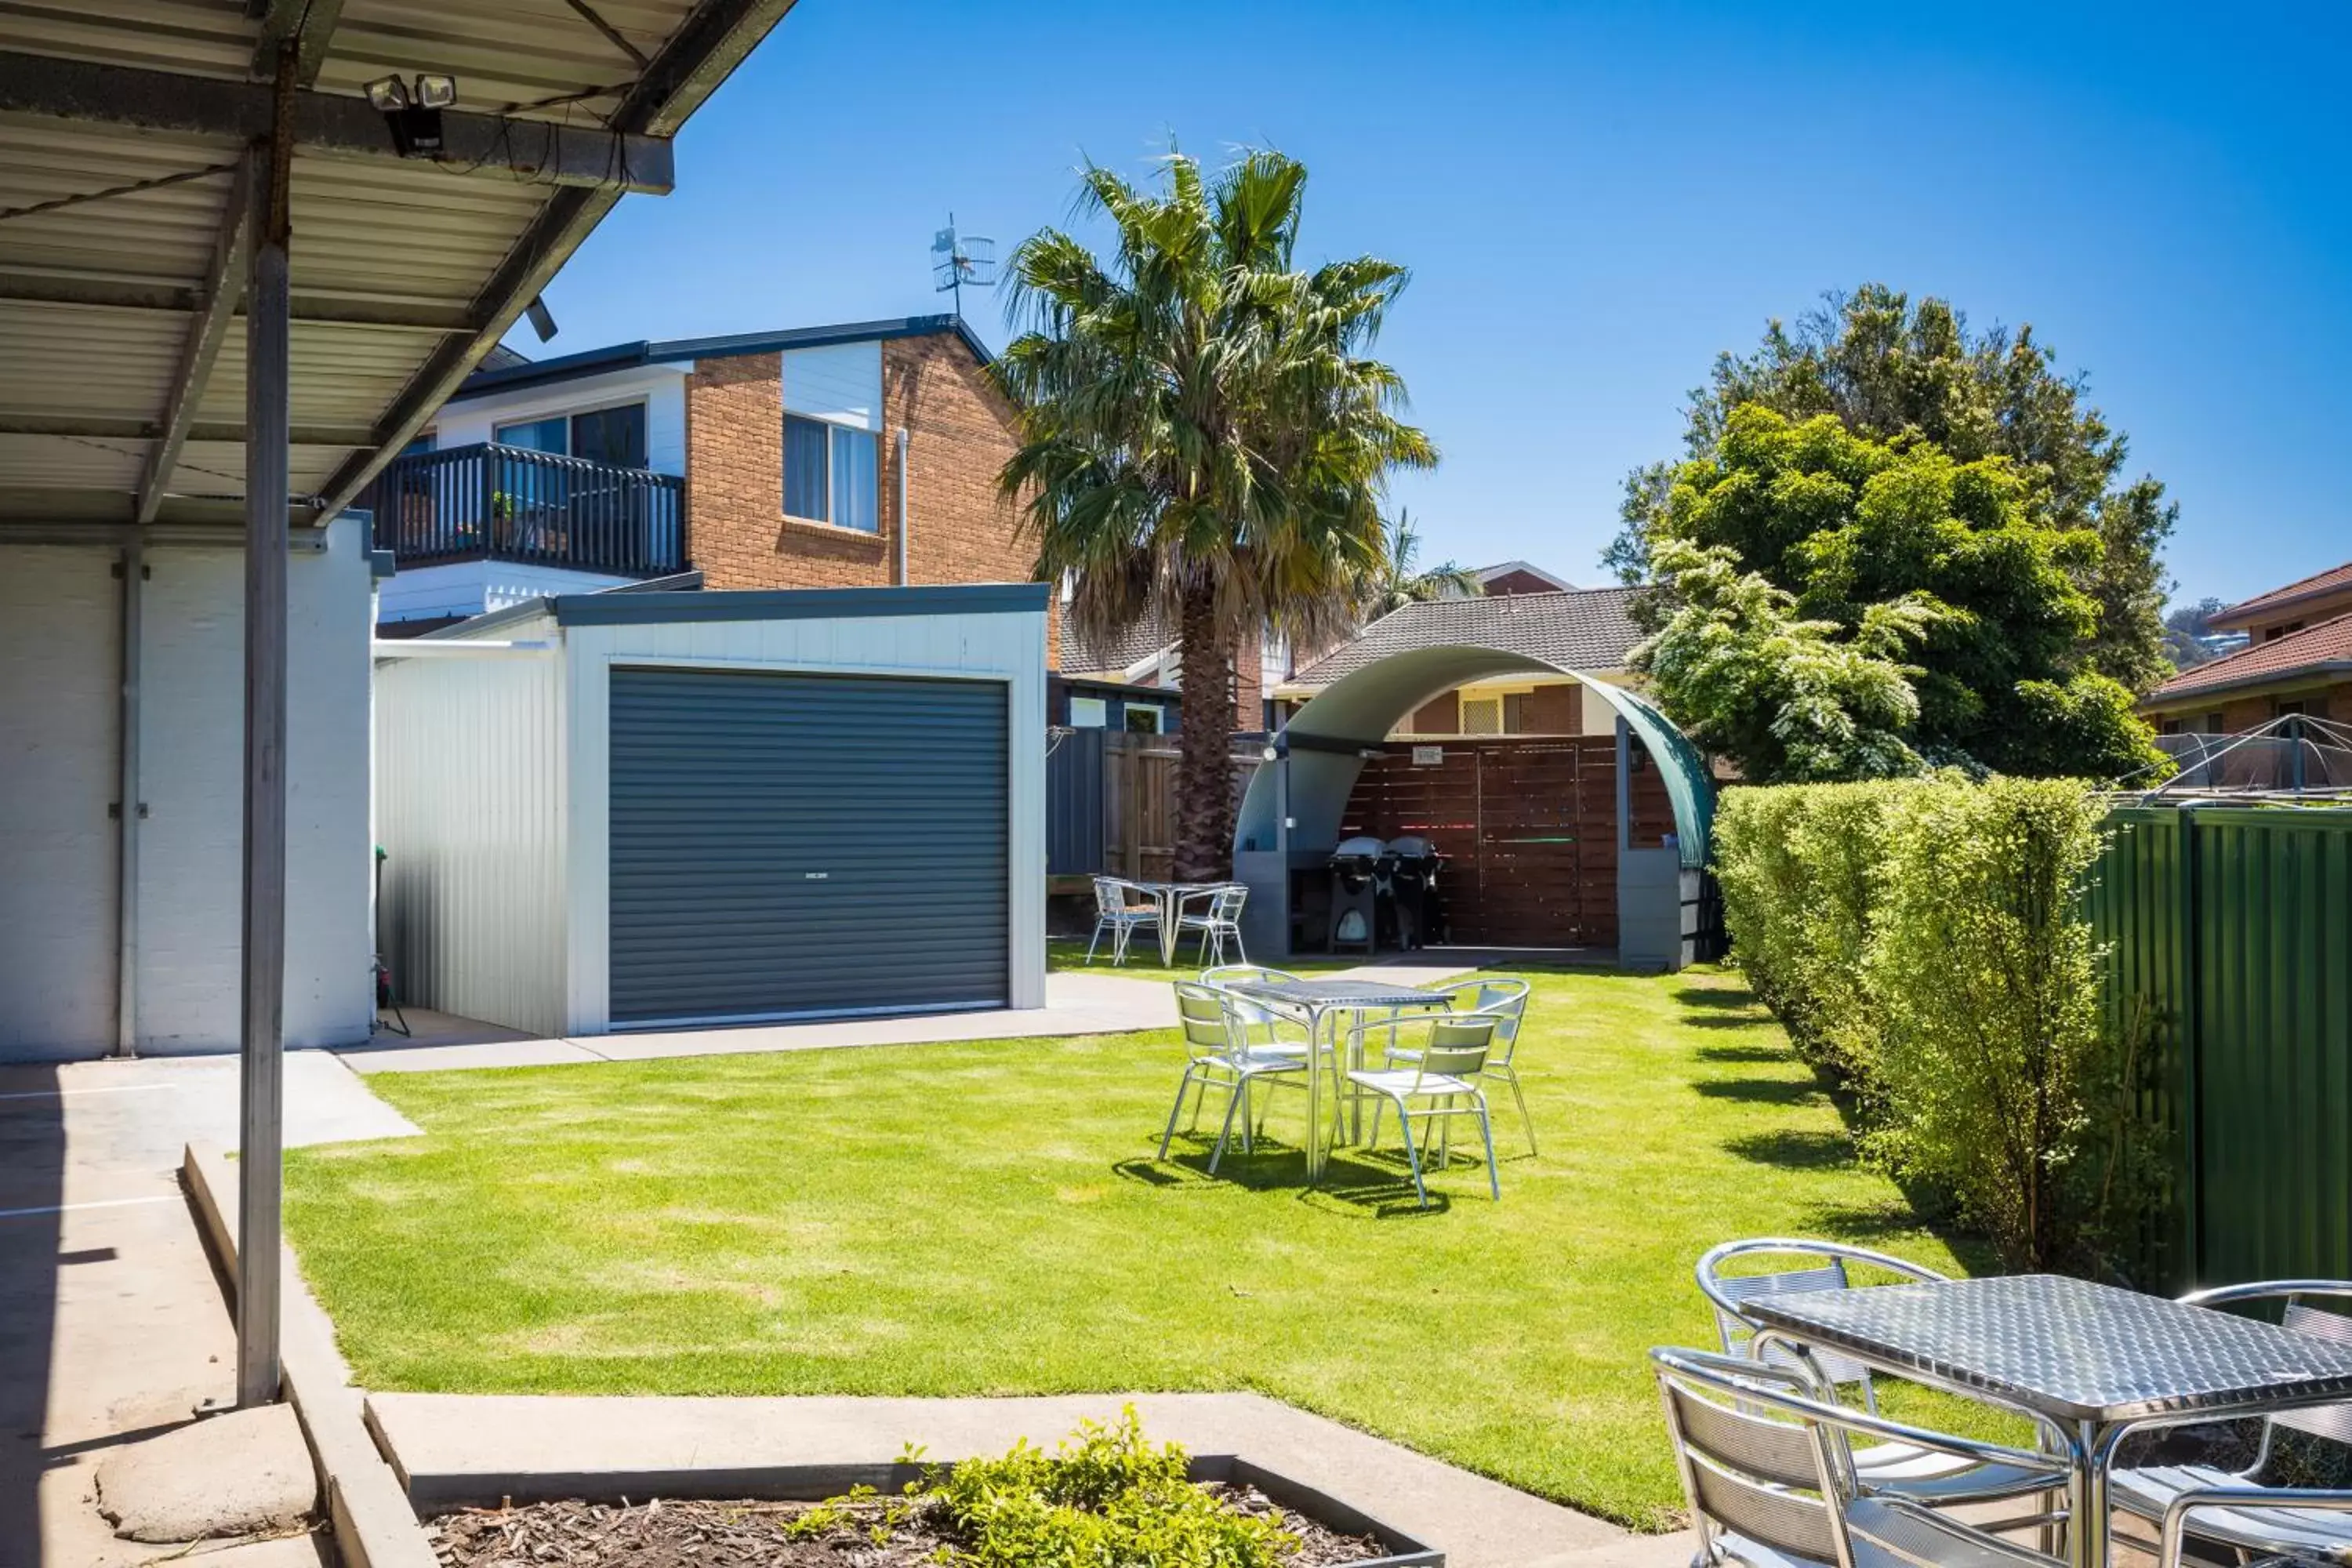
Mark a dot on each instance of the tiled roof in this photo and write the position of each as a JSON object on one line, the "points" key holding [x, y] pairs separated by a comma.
{"points": [[2330, 581], [1587, 628], [1131, 648], [2324, 646]]}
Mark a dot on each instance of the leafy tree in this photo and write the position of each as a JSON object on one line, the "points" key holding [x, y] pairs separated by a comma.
{"points": [[1790, 700], [1202, 436], [1883, 365], [1883, 545], [1397, 580], [2184, 625]]}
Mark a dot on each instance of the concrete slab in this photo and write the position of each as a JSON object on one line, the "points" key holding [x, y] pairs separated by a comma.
{"points": [[451, 1446], [113, 1324], [242, 1472]]}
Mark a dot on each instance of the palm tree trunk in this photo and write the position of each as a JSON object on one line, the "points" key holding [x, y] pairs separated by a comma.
{"points": [[1204, 776]]}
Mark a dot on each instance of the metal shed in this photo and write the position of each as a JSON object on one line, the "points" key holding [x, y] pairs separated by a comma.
{"points": [[641, 810], [1291, 816]]}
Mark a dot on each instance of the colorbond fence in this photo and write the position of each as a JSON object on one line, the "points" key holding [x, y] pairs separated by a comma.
{"points": [[2229, 930]]}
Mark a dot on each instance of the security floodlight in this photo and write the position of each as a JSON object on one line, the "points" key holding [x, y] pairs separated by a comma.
{"points": [[413, 112]]}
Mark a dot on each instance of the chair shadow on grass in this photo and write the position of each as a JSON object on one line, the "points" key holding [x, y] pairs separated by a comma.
{"points": [[1367, 1183]]}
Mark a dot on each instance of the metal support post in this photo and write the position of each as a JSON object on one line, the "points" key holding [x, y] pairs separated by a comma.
{"points": [[128, 790], [267, 438]]}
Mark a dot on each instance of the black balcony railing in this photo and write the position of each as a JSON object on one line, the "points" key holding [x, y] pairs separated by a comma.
{"points": [[512, 503]]}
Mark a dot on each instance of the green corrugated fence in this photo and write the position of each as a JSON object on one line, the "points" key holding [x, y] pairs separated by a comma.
{"points": [[2231, 929]]}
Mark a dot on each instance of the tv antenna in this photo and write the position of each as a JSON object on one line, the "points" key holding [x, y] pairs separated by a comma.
{"points": [[960, 258]]}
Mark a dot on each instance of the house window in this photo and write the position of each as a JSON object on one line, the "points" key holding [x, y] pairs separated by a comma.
{"points": [[1089, 713], [2214, 725], [1482, 716], [613, 436], [2286, 708], [539, 435], [2168, 727], [831, 474], [419, 447], [2270, 633], [1144, 719]]}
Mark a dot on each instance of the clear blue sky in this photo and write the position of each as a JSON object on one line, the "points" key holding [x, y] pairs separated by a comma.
{"points": [[1597, 199]]}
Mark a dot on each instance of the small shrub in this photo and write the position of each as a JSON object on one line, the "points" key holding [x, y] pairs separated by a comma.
{"points": [[1109, 1498]]}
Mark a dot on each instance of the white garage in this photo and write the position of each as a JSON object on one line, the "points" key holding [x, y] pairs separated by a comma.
{"points": [[640, 810], [93, 961]]}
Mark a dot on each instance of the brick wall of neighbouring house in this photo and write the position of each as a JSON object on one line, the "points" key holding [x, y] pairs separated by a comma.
{"points": [[960, 433], [1553, 711]]}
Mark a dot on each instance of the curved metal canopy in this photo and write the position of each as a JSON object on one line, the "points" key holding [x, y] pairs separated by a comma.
{"points": [[1326, 737]]}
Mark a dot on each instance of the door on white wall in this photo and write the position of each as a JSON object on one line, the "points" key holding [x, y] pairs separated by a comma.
{"points": [[790, 846]]}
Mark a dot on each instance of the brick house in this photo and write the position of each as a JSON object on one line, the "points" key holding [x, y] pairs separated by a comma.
{"points": [[2298, 660], [855, 456]]}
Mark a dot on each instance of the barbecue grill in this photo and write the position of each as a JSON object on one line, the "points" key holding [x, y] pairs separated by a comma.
{"points": [[1359, 880], [1412, 863]]}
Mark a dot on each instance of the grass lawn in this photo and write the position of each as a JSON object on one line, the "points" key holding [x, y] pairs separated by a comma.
{"points": [[988, 1218], [1144, 961]]}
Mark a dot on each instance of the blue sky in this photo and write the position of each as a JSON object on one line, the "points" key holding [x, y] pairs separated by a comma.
{"points": [[1597, 199]]}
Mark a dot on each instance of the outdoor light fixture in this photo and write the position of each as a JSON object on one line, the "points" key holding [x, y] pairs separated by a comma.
{"points": [[413, 109]]}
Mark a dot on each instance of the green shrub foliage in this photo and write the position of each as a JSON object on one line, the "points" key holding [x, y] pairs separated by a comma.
{"points": [[1108, 1497], [1924, 942]]}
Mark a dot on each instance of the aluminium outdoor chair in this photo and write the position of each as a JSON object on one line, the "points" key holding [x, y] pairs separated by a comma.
{"points": [[1928, 1476], [1265, 1025], [1122, 908], [1507, 1000], [2262, 1521], [1766, 1466], [1219, 923], [1437, 1082], [1220, 1054]]}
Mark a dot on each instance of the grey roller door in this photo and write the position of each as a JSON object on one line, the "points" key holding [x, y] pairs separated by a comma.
{"points": [[785, 845]]}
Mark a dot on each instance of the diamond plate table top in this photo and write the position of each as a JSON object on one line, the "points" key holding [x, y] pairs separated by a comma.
{"points": [[1336, 993], [2067, 1348]]}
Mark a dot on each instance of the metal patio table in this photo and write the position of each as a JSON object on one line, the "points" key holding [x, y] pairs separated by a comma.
{"points": [[1170, 897], [2094, 1362], [1316, 1000]]}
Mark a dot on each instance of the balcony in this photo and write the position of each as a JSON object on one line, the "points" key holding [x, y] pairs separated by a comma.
{"points": [[493, 502]]}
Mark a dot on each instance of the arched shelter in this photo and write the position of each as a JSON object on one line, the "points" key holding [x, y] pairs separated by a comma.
{"points": [[1291, 816]]}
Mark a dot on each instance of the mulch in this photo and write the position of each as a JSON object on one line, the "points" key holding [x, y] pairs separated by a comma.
{"points": [[691, 1534]]}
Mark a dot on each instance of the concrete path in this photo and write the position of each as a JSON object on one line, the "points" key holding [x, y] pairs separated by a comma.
{"points": [[112, 1326], [1075, 1004], [454, 1446]]}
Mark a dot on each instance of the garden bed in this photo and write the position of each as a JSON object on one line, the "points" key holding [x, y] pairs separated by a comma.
{"points": [[754, 1534]]}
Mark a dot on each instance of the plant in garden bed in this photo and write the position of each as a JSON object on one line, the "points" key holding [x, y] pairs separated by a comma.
{"points": [[1106, 1497]]}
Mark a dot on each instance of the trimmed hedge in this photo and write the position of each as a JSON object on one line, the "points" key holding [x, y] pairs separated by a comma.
{"points": [[1924, 942]]}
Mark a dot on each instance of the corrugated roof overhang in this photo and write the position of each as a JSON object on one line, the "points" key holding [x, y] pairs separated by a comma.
{"points": [[123, 132]]}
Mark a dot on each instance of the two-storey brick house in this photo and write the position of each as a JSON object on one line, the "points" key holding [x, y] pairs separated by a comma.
{"points": [[2297, 660], [855, 456]]}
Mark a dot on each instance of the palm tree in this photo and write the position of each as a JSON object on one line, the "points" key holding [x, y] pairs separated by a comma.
{"points": [[1398, 583], [1202, 440]]}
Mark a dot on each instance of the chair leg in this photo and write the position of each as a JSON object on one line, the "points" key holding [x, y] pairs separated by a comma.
{"points": [[1182, 1085], [1094, 939], [1487, 1130], [1511, 1076], [1233, 1099], [1199, 1099], [1404, 1120], [1238, 948], [1249, 1148]]}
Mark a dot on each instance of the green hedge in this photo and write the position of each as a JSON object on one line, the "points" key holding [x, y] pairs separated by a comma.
{"points": [[1924, 942]]}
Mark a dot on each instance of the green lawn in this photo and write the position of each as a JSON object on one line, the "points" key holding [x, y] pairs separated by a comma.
{"points": [[988, 1218]]}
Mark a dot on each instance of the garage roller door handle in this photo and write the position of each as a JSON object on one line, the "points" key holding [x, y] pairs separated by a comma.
{"points": [[814, 876]]}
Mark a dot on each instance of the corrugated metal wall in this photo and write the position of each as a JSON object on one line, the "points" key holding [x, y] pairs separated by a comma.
{"points": [[2234, 926], [470, 814], [1073, 804]]}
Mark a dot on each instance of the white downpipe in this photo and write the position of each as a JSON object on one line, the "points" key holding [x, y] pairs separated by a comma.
{"points": [[904, 519]]}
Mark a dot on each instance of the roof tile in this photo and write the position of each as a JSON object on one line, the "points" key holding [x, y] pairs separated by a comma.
{"points": [[2313, 647]]}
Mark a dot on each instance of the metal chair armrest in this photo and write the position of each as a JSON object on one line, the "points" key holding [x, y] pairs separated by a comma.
{"points": [[1710, 1261], [2177, 1512]]}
